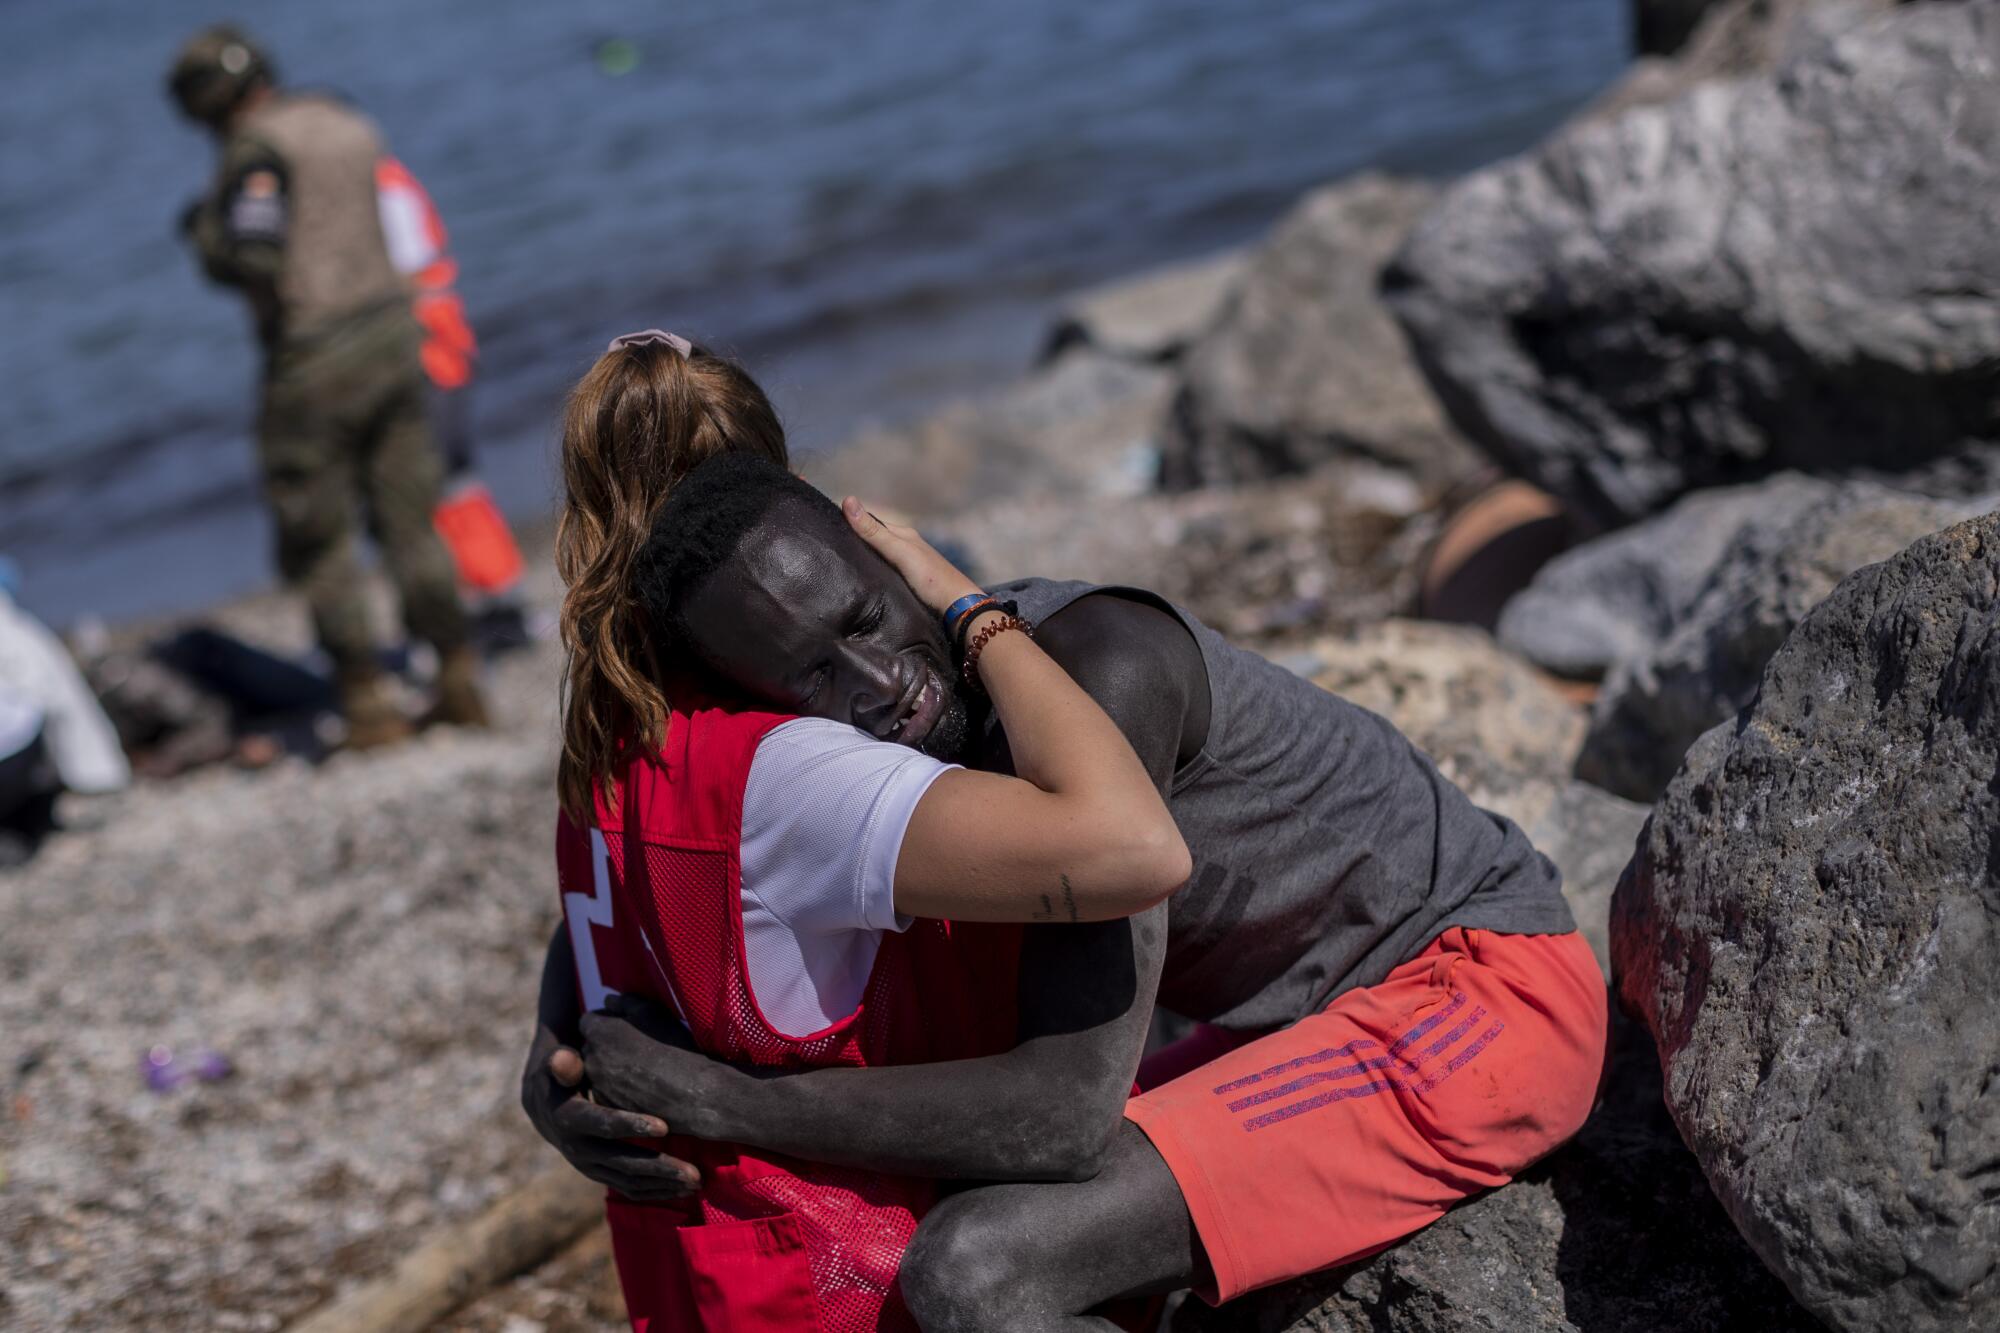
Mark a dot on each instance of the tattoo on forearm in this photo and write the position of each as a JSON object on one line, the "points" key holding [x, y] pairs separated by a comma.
{"points": [[1069, 898], [1048, 912]]}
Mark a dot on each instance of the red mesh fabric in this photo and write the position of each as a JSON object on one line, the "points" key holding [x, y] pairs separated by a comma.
{"points": [[688, 902], [857, 1227], [678, 938], [856, 1223]]}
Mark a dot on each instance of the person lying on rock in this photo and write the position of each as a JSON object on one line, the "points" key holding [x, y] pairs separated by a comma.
{"points": [[1398, 1011]]}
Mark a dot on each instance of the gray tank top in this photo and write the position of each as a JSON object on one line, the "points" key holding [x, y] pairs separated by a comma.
{"points": [[1327, 848]]}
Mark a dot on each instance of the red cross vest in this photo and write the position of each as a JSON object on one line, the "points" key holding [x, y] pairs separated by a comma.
{"points": [[652, 895]]}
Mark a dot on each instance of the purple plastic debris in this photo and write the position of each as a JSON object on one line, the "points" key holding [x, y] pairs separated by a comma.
{"points": [[166, 1071]]}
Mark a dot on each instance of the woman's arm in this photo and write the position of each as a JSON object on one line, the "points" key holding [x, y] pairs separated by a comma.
{"points": [[1079, 833], [1045, 1110]]}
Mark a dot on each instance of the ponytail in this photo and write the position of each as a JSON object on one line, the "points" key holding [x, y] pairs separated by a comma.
{"points": [[636, 423]]}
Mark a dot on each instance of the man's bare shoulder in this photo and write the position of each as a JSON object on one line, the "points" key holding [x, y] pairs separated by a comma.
{"points": [[1136, 659], [1115, 632]]}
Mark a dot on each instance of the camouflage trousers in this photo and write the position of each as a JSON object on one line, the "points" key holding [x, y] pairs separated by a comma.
{"points": [[343, 431]]}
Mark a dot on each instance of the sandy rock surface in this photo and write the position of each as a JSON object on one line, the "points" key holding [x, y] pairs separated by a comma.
{"points": [[1590, 835], [1302, 363], [360, 940], [1705, 291], [1055, 476], [1152, 317], [1809, 933], [1265, 564], [1084, 425], [1492, 723]]}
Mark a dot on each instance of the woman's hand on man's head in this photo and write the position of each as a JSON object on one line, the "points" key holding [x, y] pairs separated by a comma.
{"points": [[935, 580]]}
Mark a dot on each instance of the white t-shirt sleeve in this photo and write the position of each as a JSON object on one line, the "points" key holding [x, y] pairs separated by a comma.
{"points": [[824, 814]]}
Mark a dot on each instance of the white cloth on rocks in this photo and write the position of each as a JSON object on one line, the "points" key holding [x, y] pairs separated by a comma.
{"points": [[824, 813], [20, 721], [81, 740]]}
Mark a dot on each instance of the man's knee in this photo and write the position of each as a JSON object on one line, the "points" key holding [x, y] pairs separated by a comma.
{"points": [[313, 552], [958, 1275], [311, 511], [405, 474]]}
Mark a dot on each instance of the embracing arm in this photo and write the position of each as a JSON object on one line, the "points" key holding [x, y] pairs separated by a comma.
{"points": [[1044, 1110], [1041, 1111], [589, 1135], [1078, 830]]}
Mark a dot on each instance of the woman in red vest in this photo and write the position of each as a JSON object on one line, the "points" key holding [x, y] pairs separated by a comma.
{"points": [[796, 889]]}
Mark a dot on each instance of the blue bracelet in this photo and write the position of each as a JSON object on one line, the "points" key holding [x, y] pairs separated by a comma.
{"points": [[962, 607]]}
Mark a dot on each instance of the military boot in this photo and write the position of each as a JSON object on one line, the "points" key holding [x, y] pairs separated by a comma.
{"points": [[373, 720], [460, 702]]}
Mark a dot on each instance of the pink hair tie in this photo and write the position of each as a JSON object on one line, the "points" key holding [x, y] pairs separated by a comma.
{"points": [[647, 337]]}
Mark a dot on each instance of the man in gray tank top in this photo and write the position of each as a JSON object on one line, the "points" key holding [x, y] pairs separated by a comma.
{"points": [[1327, 848], [1397, 1009]]}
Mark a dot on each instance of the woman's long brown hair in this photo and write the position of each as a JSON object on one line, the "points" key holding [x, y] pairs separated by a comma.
{"points": [[635, 424]]}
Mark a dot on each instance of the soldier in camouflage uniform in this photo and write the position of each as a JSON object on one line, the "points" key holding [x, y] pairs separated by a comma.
{"points": [[291, 221]]}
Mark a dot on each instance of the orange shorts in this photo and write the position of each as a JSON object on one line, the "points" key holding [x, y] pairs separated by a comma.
{"points": [[1328, 1140]]}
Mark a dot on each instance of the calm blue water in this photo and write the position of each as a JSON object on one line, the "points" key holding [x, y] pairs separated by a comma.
{"points": [[875, 203]]}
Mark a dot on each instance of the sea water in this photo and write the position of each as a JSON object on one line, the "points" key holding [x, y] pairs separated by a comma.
{"points": [[876, 203]]}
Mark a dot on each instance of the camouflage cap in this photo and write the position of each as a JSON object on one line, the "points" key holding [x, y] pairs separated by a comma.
{"points": [[213, 71]]}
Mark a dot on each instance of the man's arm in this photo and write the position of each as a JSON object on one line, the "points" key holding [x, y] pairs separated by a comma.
{"points": [[239, 232], [1044, 1110], [1041, 1111], [589, 1135]]}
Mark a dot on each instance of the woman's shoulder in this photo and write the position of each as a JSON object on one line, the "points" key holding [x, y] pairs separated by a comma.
{"points": [[816, 751], [818, 735]]}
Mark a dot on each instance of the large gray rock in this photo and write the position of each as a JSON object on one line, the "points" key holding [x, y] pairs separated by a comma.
{"points": [[1720, 39], [1616, 1233], [1589, 834], [1150, 317], [1303, 362], [1655, 704], [1809, 931], [1662, 27], [1792, 271], [1617, 597], [1278, 561], [1083, 424]]}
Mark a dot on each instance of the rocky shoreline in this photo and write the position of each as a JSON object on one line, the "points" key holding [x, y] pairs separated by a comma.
{"points": [[1748, 404]]}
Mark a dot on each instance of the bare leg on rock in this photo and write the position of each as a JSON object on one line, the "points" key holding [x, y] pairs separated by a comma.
{"points": [[1035, 1257]]}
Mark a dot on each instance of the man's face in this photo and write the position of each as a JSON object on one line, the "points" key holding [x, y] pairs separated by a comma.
{"points": [[805, 619]]}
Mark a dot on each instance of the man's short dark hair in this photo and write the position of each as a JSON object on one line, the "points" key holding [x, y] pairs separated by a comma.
{"points": [[701, 526]]}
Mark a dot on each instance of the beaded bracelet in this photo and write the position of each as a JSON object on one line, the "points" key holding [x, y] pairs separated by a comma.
{"points": [[987, 633]]}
